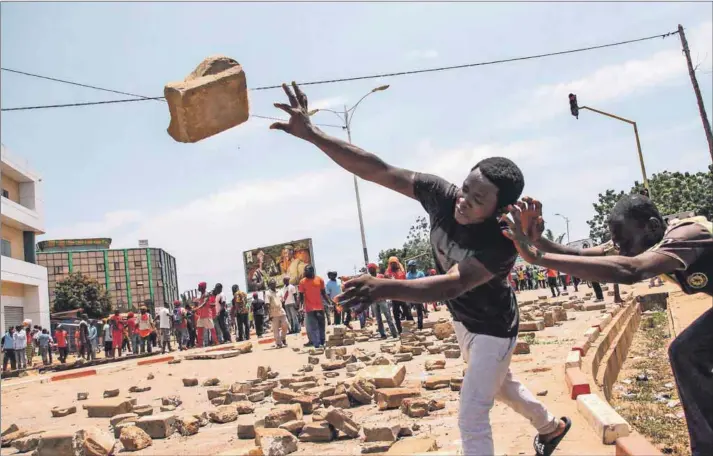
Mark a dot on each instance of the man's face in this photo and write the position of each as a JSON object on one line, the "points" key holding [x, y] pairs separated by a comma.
{"points": [[476, 200], [632, 237], [394, 267], [309, 272], [372, 272], [285, 281], [412, 268]]}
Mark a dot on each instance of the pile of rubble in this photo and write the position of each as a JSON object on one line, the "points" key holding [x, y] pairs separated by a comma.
{"points": [[279, 412]]}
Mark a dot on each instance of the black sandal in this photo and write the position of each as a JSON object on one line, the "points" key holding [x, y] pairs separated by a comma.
{"points": [[547, 448]]}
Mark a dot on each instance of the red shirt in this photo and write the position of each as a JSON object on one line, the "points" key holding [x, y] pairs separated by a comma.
{"points": [[131, 323], [61, 338], [398, 275], [119, 326], [203, 312], [312, 290], [212, 305]]}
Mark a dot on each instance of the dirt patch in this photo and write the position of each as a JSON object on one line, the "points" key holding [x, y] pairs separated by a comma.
{"points": [[645, 393], [539, 369]]}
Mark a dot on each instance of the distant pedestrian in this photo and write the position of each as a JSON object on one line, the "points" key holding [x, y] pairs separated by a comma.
{"points": [[278, 316], [62, 338], [45, 343], [92, 339], [552, 282], [108, 340], [312, 297], [258, 306], [87, 351], [117, 332], [381, 308], [8, 349], [132, 327], [241, 313], [221, 315], [164, 325], [412, 274], [290, 298], [21, 347], [180, 324], [145, 328], [191, 326]]}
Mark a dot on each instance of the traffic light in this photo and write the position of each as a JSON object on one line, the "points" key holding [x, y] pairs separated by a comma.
{"points": [[573, 107]]}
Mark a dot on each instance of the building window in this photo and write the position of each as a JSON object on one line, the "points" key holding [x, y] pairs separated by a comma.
{"points": [[5, 193], [58, 269], [137, 264], [6, 249], [100, 267], [117, 265], [118, 285]]}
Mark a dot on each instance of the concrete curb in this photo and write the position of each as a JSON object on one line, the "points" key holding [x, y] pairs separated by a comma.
{"points": [[608, 343]]}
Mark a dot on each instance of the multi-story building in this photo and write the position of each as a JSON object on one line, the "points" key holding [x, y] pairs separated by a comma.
{"points": [[23, 282], [133, 277]]}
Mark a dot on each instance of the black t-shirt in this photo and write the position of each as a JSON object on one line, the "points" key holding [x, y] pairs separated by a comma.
{"points": [[490, 308]]}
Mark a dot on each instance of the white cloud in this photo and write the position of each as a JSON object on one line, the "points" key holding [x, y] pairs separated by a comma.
{"points": [[110, 222], [613, 82], [328, 103], [423, 54], [208, 234]]}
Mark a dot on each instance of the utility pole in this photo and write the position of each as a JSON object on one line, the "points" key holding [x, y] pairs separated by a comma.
{"points": [[356, 191], [696, 90]]}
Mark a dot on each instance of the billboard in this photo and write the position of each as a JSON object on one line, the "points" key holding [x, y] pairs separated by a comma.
{"points": [[582, 244], [275, 262]]}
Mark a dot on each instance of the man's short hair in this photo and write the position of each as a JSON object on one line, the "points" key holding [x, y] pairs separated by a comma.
{"points": [[505, 175], [635, 207]]}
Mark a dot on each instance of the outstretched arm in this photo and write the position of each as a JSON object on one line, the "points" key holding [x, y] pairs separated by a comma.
{"points": [[461, 278], [533, 225], [350, 157], [616, 268]]}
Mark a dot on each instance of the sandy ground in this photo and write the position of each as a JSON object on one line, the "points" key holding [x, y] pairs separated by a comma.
{"points": [[29, 404]]}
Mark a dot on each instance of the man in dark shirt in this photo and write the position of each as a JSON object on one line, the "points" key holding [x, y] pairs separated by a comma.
{"points": [[642, 247], [473, 260]]}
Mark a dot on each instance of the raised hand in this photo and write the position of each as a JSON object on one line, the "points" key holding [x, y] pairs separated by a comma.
{"points": [[531, 218], [299, 124], [517, 233]]}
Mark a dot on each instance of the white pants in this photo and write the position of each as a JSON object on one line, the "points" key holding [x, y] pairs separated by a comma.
{"points": [[487, 378]]}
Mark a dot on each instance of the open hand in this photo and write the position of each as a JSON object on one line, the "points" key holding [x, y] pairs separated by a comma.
{"points": [[359, 293], [531, 215], [299, 124], [517, 233]]}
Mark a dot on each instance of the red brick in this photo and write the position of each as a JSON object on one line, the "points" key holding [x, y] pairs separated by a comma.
{"points": [[635, 445], [577, 382]]}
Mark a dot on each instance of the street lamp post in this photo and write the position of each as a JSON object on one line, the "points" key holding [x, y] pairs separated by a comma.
{"points": [[567, 222], [346, 117], [574, 108]]}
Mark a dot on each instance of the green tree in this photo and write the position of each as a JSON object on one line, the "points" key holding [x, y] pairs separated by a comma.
{"points": [[673, 192], [551, 236], [78, 291], [417, 246]]}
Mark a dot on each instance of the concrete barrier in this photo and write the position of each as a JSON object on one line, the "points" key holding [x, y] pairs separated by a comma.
{"points": [[616, 355], [577, 382], [604, 420]]}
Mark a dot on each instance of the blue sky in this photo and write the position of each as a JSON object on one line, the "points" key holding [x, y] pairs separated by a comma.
{"points": [[113, 170]]}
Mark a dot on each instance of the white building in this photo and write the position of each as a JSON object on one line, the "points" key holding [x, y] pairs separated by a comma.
{"points": [[23, 283]]}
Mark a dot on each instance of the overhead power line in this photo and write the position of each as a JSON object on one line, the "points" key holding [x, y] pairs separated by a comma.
{"points": [[332, 81]]}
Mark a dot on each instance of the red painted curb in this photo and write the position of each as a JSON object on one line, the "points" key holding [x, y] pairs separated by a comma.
{"points": [[577, 382], [269, 340], [160, 359], [71, 375], [635, 445]]}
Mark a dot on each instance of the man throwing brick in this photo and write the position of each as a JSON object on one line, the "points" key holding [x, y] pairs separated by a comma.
{"points": [[473, 260], [644, 247]]}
